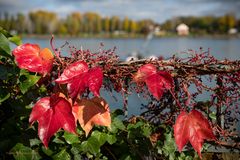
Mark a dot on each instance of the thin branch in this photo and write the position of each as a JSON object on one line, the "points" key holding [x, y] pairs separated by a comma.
{"points": [[235, 145], [181, 68]]}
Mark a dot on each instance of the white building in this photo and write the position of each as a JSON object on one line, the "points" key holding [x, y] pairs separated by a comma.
{"points": [[182, 29], [232, 31]]}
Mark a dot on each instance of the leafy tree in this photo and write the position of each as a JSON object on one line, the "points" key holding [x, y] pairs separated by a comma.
{"points": [[92, 22], [125, 24], [7, 22], [98, 23], [62, 29], [114, 23], [145, 26], [43, 22], [133, 27], [21, 23], [74, 21], [106, 24], [230, 21]]}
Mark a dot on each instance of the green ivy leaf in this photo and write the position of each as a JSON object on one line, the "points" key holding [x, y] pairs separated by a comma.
{"points": [[139, 129], [101, 137], [169, 147], [62, 155], [71, 138], [4, 32], [12, 38], [4, 46], [126, 157], [146, 130], [111, 139], [47, 151], [27, 80], [91, 145], [159, 150], [34, 142], [184, 157], [116, 113], [43, 89], [4, 95], [94, 143], [58, 140], [3, 72], [6, 72], [116, 124], [75, 149], [21, 152], [16, 40]]}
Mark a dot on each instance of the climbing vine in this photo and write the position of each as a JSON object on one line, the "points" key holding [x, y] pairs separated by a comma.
{"points": [[74, 121]]}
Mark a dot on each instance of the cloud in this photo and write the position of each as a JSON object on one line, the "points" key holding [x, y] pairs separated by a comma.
{"points": [[216, 7], [158, 10]]}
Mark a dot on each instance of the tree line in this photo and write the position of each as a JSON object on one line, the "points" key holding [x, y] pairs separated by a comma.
{"points": [[45, 22], [205, 24]]}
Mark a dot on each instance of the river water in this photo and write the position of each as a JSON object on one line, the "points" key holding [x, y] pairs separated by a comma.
{"points": [[221, 48], [166, 47]]}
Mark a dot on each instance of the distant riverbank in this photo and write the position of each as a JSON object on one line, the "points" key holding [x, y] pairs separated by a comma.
{"points": [[128, 36], [84, 36]]}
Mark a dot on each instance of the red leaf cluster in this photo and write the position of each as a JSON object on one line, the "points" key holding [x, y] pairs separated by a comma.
{"points": [[52, 113], [156, 81], [56, 112], [79, 77], [193, 127], [30, 57]]}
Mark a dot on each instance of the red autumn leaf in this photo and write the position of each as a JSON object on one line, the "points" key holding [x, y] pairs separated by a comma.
{"points": [[78, 77], [30, 57], [76, 86], [94, 80], [193, 127], [91, 112], [72, 71], [144, 72], [156, 81], [52, 113]]}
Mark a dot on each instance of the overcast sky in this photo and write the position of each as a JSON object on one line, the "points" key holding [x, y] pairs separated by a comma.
{"points": [[158, 10]]}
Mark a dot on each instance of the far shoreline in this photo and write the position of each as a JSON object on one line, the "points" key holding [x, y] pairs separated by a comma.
{"points": [[98, 36]]}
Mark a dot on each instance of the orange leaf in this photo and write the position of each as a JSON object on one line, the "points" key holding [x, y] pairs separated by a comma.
{"points": [[91, 112]]}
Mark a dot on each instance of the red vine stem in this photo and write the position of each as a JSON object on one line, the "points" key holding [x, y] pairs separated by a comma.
{"points": [[177, 101], [55, 50]]}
